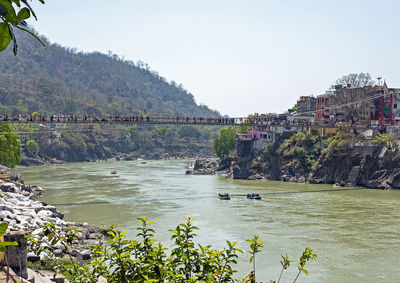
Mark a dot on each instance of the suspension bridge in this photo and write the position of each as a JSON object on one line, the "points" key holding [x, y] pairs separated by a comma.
{"points": [[295, 123]]}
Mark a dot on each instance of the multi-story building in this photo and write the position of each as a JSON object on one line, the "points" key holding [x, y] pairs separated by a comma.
{"points": [[358, 105], [396, 107], [306, 106], [324, 111]]}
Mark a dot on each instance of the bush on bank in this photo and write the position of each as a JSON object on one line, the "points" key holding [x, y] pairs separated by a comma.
{"points": [[145, 260], [9, 146]]}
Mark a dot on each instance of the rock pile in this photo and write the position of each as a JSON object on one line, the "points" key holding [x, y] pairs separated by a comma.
{"points": [[24, 214], [203, 167], [3, 168]]}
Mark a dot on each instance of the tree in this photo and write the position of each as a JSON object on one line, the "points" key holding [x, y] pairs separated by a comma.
{"points": [[10, 19], [243, 129], [32, 147], [189, 132], [224, 142], [293, 110], [355, 80], [10, 154], [348, 90]]}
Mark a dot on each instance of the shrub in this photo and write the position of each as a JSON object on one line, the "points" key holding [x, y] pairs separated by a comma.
{"points": [[388, 140], [145, 260], [32, 147], [306, 148]]}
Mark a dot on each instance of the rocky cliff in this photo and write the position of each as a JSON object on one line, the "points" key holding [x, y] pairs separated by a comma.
{"points": [[307, 158]]}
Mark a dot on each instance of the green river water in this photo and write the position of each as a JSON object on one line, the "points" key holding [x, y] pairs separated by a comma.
{"points": [[355, 233]]}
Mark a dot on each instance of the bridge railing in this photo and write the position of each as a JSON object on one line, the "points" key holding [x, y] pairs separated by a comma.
{"points": [[121, 119], [286, 125]]}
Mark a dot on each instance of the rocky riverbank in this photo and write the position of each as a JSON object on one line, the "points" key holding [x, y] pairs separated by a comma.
{"points": [[37, 161], [25, 215]]}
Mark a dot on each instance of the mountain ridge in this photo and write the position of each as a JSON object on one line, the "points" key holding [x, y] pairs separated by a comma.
{"points": [[57, 79]]}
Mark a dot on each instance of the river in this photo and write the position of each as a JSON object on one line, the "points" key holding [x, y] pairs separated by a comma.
{"points": [[355, 233]]}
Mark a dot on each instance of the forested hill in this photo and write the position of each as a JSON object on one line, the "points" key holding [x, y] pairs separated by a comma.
{"points": [[56, 79]]}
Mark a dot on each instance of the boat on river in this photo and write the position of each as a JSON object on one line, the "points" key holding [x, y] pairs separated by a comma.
{"points": [[224, 196], [253, 196], [113, 172]]}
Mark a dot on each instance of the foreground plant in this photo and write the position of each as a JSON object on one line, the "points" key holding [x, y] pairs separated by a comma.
{"points": [[4, 245], [255, 247], [13, 14], [144, 260], [70, 268]]}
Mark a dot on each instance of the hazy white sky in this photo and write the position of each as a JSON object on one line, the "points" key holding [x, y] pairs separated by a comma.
{"points": [[237, 56]]}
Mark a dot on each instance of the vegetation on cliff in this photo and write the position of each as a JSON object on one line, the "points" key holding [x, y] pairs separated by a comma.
{"points": [[301, 150], [388, 140], [344, 159]]}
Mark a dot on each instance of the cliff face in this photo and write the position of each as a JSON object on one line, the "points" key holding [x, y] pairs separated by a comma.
{"points": [[382, 170], [312, 160], [335, 168], [241, 164]]}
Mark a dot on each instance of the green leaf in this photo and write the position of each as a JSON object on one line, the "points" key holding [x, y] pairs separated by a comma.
{"points": [[3, 10], [17, 2], [305, 271], [23, 14], [3, 225], [5, 244], [11, 16]]}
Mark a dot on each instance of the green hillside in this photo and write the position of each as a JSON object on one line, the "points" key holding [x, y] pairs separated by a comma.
{"points": [[56, 79]]}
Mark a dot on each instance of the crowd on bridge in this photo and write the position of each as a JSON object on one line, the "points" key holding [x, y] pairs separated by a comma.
{"points": [[141, 119], [117, 119]]}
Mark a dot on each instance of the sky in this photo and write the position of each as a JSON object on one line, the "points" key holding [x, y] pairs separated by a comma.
{"points": [[237, 56]]}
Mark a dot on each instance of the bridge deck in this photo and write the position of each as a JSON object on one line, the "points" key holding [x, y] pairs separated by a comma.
{"points": [[208, 121]]}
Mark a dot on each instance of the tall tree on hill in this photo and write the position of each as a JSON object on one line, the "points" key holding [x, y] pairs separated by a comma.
{"points": [[355, 80]]}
